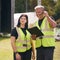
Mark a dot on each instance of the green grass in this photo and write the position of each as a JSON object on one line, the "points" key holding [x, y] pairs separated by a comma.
{"points": [[57, 51], [6, 52], [4, 37]]}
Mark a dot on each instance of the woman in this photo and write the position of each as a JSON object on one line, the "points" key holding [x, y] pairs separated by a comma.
{"points": [[21, 40]]}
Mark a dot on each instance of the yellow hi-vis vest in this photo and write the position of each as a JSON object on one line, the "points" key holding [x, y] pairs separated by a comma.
{"points": [[48, 38], [23, 42]]}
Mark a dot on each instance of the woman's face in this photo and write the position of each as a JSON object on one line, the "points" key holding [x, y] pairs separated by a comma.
{"points": [[23, 20]]}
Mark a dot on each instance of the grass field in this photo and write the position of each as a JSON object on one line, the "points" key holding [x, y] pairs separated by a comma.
{"points": [[57, 51], [6, 50]]}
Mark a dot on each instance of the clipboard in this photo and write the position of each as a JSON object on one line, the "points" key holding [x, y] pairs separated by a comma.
{"points": [[35, 31]]}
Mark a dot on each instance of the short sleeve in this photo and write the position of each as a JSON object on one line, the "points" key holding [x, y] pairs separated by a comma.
{"points": [[14, 33]]}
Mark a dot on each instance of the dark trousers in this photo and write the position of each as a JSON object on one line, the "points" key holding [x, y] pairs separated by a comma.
{"points": [[24, 55], [45, 53]]}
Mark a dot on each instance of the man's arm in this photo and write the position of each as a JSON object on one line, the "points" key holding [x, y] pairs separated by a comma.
{"points": [[33, 49], [50, 20]]}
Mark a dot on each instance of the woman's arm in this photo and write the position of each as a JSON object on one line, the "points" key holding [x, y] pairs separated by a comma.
{"points": [[13, 43], [18, 57]]}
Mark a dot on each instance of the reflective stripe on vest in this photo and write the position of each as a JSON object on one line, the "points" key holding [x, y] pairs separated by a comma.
{"points": [[48, 38], [23, 42]]}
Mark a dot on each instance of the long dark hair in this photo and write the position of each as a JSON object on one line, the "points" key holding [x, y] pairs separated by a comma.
{"points": [[26, 25]]}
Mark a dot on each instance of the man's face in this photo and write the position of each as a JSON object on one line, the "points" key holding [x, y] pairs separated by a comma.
{"points": [[39, 12]]}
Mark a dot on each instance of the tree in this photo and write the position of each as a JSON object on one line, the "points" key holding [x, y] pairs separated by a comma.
{"points": [[33, 3], [20, 6], [49, 6], [57, 10]]}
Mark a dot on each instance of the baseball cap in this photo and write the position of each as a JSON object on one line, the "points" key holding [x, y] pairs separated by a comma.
{"points": [[38, 6]]}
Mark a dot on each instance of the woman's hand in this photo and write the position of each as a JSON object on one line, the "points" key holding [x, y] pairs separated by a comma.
{"points": [[33, 37], [18, 57]]}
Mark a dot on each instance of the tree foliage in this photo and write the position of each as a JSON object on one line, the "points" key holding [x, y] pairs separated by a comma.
{"points": [[57, 10], [51, 6], [20, 6]]}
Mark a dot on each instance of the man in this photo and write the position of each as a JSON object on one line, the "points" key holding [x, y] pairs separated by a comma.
{"points": [[45, 45]]}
